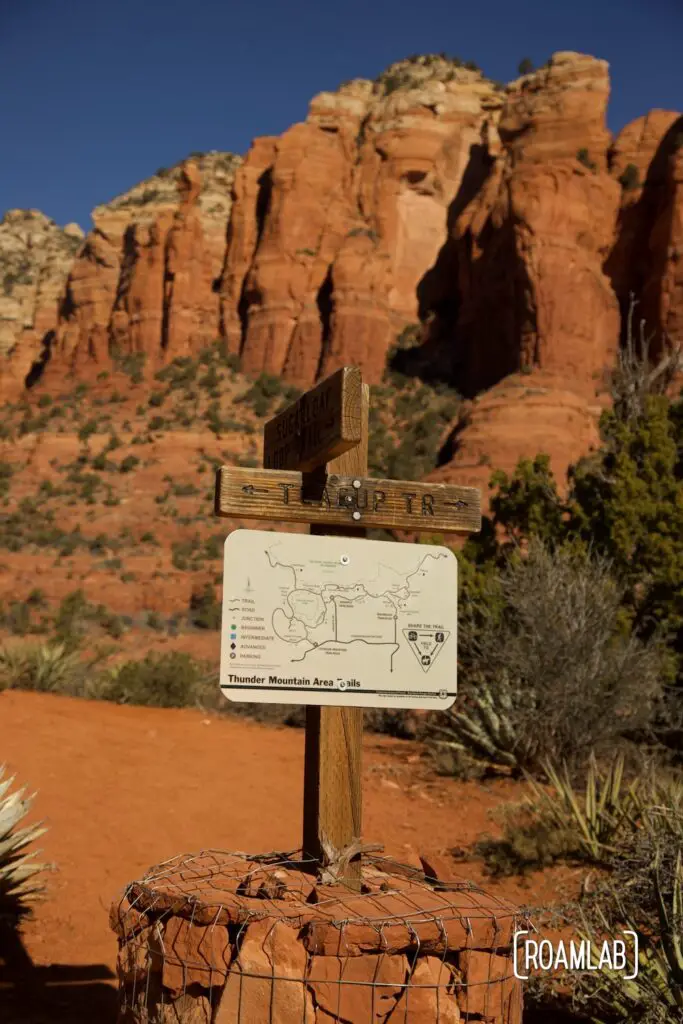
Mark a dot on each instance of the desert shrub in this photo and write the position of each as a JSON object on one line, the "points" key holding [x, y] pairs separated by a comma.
{"points": [[408, 423], [205, 611], [19, 871], [525, 66], [6, 474], [555, 820], [169, 680], [44, 668], [76, 617], [547, 669], [642, 891], [583, 156], [186, 554], [624, 506], [261, 393], [129, 463], [130, 363], [629, 177]]}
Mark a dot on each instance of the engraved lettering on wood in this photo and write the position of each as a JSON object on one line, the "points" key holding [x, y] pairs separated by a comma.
{"points": [[277, 495], [322, 424]]}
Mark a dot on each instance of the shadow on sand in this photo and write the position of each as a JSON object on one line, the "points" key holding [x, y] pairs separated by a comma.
{"points": [[58, 994]]}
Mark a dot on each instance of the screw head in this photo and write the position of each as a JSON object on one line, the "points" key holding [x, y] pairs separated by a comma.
{"points": [[344, 559], [356, 484], [356, 515]]}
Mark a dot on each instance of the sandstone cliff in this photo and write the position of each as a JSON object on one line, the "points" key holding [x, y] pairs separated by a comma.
{"points": [[504, 221], [35, 259], [145, 279]]}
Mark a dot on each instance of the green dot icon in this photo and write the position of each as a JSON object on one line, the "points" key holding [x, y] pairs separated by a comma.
{"points": [[233, 627]]}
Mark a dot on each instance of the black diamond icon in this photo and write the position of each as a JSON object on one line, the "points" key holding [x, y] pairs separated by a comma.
{"points": [[233, 646]]}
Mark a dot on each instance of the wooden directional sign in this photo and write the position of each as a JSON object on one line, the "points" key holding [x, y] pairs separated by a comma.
{"points": [[323, 423], [347, 501]]}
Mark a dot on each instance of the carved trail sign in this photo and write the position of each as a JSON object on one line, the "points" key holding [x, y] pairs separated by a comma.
{"points": [[347, 501], [322, 424]]}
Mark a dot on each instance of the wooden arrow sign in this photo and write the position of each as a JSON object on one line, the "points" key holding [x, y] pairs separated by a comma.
{"points": [[347, 501]]}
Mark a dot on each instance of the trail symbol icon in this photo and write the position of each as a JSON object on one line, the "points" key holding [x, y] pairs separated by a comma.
{"points": [[426, 645]]}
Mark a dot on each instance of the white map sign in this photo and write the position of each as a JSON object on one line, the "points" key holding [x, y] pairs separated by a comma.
{"points": [[332, 620]]}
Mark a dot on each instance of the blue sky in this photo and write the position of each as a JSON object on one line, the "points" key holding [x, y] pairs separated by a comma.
{"points": [[96, 94]]}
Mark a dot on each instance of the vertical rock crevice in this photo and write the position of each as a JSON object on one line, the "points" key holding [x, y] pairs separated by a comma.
{"points": [[325, 303]]}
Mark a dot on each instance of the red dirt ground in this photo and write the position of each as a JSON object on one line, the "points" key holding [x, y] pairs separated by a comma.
{"points": [[123, 788]]}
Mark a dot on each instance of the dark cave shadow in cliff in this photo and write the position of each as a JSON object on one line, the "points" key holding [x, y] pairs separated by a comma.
{"points": [[437, 360], [628, 265]]}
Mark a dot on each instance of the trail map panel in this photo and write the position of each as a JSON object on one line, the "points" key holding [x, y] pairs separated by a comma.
{"points": [[338, 621]]}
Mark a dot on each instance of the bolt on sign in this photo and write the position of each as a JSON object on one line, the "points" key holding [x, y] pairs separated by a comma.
{"points": [[333, 621]]}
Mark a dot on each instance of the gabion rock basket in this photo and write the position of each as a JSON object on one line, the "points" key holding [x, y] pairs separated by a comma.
{"points": [[233, 938]]}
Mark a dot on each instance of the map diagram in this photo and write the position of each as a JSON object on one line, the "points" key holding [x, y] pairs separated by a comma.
{"points": [[322, 617]]}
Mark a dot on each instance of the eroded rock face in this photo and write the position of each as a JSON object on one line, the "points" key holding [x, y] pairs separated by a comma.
{"points": [[144, 282], [520, 283], [35, 258], [336, 222], [525, 262], [645, 264]]}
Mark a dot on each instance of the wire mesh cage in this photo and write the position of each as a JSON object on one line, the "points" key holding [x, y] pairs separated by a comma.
{"points": [[234, 938]]}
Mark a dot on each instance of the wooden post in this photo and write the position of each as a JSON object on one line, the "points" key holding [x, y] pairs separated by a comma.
{"points": [[333, 498], [332, 766]]}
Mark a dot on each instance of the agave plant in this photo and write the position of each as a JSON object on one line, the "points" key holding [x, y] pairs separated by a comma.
{"points": [[482, 726], [606, 806], [47, 668], [19, 884]]}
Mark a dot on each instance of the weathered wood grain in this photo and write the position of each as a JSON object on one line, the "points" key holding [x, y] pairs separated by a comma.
{"points": [[333, 792], [323, 423], [335, 501]]}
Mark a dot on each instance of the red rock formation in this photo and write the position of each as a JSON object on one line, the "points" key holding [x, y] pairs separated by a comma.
{"points": [[528, 252], [144, 281], [645, 262], [35, 258], [335, 223]]}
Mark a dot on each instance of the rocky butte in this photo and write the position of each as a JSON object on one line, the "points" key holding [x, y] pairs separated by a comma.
{"points": [[505, 221]]}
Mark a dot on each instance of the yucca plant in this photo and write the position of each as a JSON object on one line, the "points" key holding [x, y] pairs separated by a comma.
{"points": [[47, 668], [598, 816], [19, 883], [655, 995]]}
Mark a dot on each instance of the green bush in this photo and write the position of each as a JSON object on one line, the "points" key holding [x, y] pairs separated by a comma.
{"points": [[547, 669], [624, 507], [583, 156], [205, 611], [629, 177], [6, 474], [44, 668], [169, 680], [129, 463], [525, 66]]}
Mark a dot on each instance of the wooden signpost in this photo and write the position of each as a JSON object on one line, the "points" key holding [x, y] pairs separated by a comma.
{"points": [[316, 459]]}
